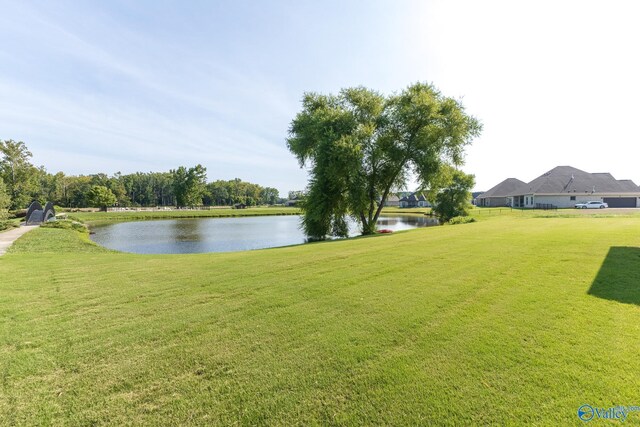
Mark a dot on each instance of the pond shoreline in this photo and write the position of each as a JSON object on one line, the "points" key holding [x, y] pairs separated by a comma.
{"points": [[220, 234], [103, 218]]}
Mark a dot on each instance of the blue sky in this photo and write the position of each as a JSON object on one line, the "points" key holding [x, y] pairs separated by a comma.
{"points": [[107, 86]]}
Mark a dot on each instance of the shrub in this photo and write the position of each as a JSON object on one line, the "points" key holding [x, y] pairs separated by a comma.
{"points": [[5, 225], [461, 220], [453, 199], [18, 213], [66, 224]]}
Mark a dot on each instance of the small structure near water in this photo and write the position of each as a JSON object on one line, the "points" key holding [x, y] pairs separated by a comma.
{"points": [[36, 214]]}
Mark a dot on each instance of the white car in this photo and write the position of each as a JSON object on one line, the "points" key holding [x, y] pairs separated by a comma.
{"points": [[592, 205]]}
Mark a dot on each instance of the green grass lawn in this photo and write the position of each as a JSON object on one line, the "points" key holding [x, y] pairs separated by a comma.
{"points": [[511, 320]]}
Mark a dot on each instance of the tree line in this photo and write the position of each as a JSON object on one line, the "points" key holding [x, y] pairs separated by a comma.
{"points": [[21, 182]]}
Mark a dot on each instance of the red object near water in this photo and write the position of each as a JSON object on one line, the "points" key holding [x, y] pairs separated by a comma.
{"points": [[385, 230]]}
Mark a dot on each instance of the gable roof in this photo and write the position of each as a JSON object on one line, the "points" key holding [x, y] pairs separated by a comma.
{"points": [[567, 179], [503, 189], [629, 185], [414, 197]]}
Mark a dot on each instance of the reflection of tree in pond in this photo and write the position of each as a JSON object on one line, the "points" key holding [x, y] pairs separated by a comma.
{"points": [[414, 221], [187, 230], [387, 221], [220, 234]]}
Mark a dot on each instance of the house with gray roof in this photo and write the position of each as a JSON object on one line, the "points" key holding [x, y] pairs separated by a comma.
{"points": [[499, 195], [628, 185], [414, 200], [564, 186], [392, 201]]}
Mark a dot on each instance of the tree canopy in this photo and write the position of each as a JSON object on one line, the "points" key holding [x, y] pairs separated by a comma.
{"points": [[19, 175], [455, 198], [5, 200], [101, 197], [236, 191], [189, 185], [360, 145]]}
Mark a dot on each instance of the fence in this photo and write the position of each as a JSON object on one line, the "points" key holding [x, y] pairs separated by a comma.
{"points": [[546, 206]]}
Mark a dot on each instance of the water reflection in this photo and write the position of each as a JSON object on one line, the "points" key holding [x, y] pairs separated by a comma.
{"points": [[186, 231], [179, 236], [406, 222]]}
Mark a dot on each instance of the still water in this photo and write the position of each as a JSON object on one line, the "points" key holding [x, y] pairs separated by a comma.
{"points": [[186, 236]]}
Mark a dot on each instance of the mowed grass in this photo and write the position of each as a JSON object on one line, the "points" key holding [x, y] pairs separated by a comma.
{"points": [[510, 320]]}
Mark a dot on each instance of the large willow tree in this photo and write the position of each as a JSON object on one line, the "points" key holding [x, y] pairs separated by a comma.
{"points": [[360, 145]]}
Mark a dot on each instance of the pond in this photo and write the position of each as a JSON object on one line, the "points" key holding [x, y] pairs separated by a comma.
{"points": [[201, 235]]}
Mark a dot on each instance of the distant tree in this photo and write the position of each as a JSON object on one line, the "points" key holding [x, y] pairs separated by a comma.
{"points": [[52, 187], [19, 175], [217, 193], [227, 193], [163, 188], [180, 187], [269, 196], [100, 178], [5, 200], [118, 189], [234, 187], [142, 185], [189, 185], [360, 145], [77, 190], [101, 197], [455, 198], [298, 194]]}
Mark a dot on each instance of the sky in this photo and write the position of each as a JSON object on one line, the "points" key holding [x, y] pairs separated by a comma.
{"points": [[93, 86]]}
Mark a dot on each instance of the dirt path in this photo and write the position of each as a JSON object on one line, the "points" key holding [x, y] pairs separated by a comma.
{"points": [[8, 237]]}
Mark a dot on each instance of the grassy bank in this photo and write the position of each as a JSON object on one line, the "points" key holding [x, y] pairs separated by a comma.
{"points": [[509, 320], [554, 213], [132, 215]]}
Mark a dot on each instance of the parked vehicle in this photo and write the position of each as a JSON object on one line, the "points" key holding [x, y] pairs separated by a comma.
{"points": [[592, 205]]}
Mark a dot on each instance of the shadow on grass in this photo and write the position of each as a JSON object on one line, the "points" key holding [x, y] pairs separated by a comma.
{"points": [[619, 276]]}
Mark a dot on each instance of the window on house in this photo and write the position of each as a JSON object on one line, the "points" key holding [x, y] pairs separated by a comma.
{"points": [[572, 198]]}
